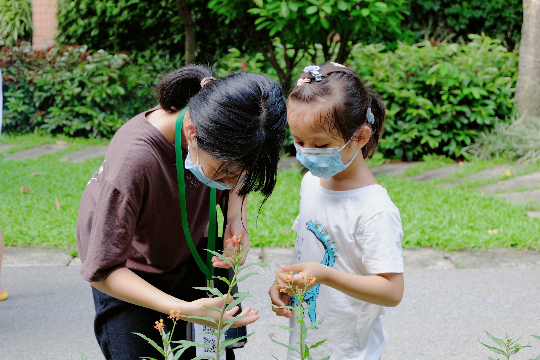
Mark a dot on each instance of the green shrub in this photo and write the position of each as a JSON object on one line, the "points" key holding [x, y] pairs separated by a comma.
{"points": [[70, 90], [15, 21], [438, 19], [439, 97]]}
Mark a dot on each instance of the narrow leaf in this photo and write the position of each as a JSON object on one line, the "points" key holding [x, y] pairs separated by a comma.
{"points": [[152, 342]]}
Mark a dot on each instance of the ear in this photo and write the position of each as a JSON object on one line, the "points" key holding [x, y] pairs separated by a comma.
{"points": [[189, 129], [362, 136]]}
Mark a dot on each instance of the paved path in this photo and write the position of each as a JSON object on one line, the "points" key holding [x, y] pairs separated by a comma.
{"points": [[444, 308]]}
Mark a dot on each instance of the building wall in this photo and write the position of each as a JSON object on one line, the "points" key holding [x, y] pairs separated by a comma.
{"points": [[45, 22]]}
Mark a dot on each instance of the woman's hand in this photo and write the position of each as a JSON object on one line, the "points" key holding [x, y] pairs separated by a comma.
{"points": [[235, 228], [304, 270], [279, 299], [197, 308]]}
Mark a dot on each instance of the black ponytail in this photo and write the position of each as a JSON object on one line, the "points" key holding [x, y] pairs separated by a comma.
{"points": [[176, 89], [240, 120]]}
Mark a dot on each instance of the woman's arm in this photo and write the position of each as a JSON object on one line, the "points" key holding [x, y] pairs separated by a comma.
{"points": [[125, 285], [236, 225], [380, 289]]}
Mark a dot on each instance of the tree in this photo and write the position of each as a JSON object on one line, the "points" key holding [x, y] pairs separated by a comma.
{"points": [[299, 26], [528, 83], [189, 31]]}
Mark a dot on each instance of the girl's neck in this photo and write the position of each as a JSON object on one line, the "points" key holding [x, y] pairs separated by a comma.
{"points": [[356, 176]]}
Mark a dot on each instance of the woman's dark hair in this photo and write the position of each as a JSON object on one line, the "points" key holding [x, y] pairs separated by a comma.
{"points": [[344, 103], [240, 120]]}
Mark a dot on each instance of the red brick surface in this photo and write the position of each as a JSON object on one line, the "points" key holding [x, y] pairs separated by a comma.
{"points": [[45, 23]]}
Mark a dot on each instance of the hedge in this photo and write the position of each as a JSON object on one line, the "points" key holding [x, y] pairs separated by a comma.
{"points": [[439, 96], [69, 90]]}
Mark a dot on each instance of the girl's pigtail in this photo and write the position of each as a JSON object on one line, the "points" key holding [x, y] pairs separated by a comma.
{"points": [[175, 90]]}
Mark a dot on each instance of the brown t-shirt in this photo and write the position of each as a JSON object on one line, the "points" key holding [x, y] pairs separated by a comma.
{"points": [[129, 214]]}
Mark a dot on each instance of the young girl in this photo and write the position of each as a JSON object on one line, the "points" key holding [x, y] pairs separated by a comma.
{"points": [[348, 230]]}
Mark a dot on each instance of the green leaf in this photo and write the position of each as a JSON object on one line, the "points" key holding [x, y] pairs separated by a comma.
{"points": [[312, 10], [365, 12], [239, 298], [221, 256], [287, 328], [498, 341], [152, 342], [244, 277], [293, 6], [316, 323], [494, 349], [342, 5], [537, 337], [208, 319], [213, 291], [318, 344], [287, 346], [83, 357], [232, 341], [536, 358]]}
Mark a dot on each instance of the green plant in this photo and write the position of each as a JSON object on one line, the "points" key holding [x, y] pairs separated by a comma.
{"points": [[67, 89], [229, 302], [439, 96], [299, 313], [518, 141], [142, 26], [15, 21], [440, 19], [507, 347], [298, 26]]}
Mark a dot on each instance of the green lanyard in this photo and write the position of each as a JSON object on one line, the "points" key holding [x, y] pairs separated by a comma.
{"points": [[207, 269]]}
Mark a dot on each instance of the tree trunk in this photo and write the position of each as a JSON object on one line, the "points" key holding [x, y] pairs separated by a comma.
{"points": [[528, 84], [189, 30]]}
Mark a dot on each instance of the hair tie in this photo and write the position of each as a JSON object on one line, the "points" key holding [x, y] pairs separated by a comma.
{"points": [[207, 80], [303, 81]]}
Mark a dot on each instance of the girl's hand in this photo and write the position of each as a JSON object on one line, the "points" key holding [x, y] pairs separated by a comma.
{"points": [[317, 270], [235, 228], [279, 299], [197, 308]]}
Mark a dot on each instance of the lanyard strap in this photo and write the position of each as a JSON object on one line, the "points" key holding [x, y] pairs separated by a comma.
{"points": [[207, 269]]}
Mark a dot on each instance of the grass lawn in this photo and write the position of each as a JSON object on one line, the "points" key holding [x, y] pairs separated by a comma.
{"points": [[450, 218]]}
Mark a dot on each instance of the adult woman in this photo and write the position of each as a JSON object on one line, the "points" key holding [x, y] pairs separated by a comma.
{"points": [[130, 237]]}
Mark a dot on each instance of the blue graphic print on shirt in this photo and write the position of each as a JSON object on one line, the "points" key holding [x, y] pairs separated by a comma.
{"points": [[330, 254]]}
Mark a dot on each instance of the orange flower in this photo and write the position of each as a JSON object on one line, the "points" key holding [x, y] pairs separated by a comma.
{"points": [[174, 316], [159, 325]]}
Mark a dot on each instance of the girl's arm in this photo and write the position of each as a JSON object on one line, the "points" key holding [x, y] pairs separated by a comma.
{"points": [[236, 225], [380, 289], [125, 285]]}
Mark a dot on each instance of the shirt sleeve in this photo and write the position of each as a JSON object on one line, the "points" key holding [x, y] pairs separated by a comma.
{"points": [[381, 243], [107, 242]]}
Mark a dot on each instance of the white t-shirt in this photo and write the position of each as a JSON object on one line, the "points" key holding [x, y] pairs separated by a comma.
{"points": [[358, 232]]}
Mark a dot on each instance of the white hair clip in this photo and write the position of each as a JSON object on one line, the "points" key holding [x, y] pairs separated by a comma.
{"points": [[370, 116], [314, 70]]}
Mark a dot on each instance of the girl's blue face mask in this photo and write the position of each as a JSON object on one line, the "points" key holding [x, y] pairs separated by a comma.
{"points": [[199, 174], [323, 162]]}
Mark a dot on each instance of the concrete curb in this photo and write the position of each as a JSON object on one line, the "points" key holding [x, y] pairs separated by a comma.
{"points": [[423, 258]]}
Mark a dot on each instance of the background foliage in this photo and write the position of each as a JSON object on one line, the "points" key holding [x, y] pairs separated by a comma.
{"points": [[140, 26], [439, 97], [440, 19], [15, 21], [69, 90]]}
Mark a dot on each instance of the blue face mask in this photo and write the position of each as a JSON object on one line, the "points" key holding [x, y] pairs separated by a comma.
{"points": [[199, 174], [322, 162]]}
